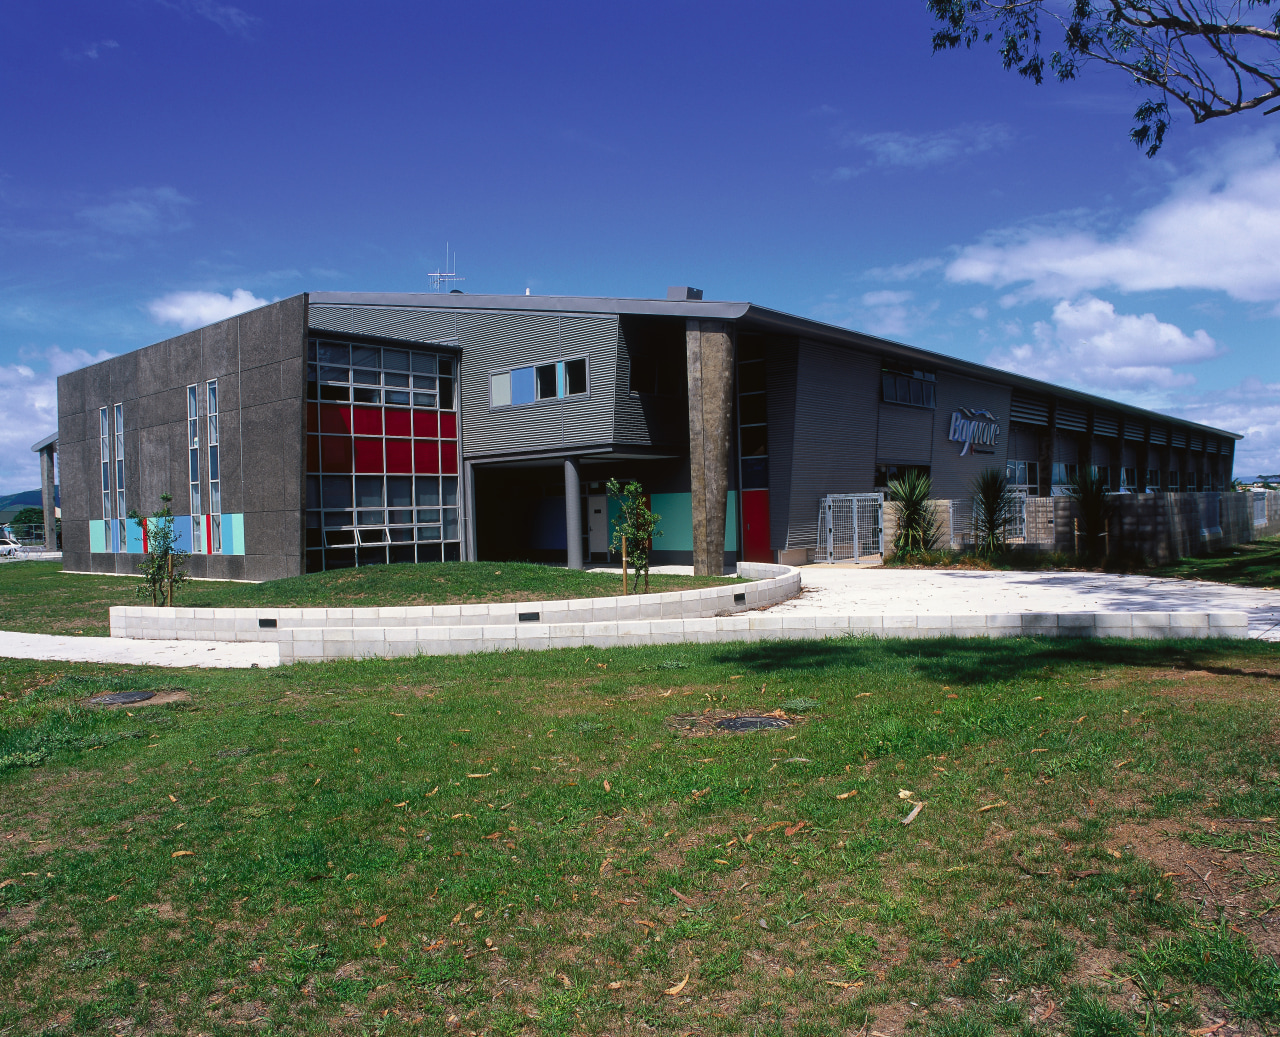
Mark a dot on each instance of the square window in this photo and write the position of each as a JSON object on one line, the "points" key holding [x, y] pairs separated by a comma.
{"points": [[500, 389], [313, 418], [403, 517], [335, 374], [450, 491], [423, 363], [366, 378], [395, 360], [361, 394], [338, 518], [395, 398], [445, 365], [575, 376], [399, 491], [755, 473], [399, 455], [752, 410], [424, 399], [401, 535], [335, 419], [425, 382], [431, 515], [522, 386], [366, 421], [400, 381], [366, 356], [335, 393], [337, 491], [369, 455], [426, 456], [427, 494], [335, 454], [334, 353], [755, 440], [399, 423], [339, 537], [426, 424], [448, 426], [452, 552], [449, 457], [428, 552], [313, 491], [313, 453], [446, 393], [369, 491], [370, 518], [428, 532]]}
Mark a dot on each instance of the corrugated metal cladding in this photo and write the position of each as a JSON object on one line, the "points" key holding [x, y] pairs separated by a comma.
{"points": [[1066, 450], [906, 435], [412, 325], [952, 473], [1024, 443], [780, 402], [500, 340], [496, 341], [1072, 419], [1028, 410], [1159, 435], [1178, 438], [1106, 425], [837, 392]]}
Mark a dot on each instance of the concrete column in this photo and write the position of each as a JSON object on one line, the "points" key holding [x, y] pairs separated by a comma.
{"points": [[1048, 441], [709, 355], [573, 511], [46, 496], [468, 513]]}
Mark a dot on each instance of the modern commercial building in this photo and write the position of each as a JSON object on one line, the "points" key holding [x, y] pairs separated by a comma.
{"points": [[342, 429]]}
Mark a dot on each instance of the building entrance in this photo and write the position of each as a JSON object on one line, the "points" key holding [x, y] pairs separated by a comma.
{"points": [[598, 527]]}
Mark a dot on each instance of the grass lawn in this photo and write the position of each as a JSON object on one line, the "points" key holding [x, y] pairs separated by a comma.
{"points": [[521, 843], [1248, 565], [39, 598]]}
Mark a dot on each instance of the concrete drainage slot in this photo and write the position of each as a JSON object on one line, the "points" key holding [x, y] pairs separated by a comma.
{"points": [[121, 698], [751, 723]]}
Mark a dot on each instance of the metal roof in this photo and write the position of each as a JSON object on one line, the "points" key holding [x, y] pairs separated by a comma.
{"points": [[748, 315]]}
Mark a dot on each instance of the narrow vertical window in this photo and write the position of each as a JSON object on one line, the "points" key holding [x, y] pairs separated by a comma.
{"points": [[120, 510], [104, 450], [215, 493], [193, 454]]}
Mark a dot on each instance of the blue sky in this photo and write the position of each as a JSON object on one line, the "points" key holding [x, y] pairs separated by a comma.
{"points": [[164, 163]]}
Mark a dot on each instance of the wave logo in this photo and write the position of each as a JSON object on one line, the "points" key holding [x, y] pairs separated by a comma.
{"points": [[975, 429]]}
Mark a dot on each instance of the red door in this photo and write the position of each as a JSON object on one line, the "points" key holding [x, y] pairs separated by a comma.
{"points": [[755, 526]]}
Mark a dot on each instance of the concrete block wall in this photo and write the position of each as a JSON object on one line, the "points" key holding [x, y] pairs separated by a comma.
{"points": [[319, 644], [771, 584]]}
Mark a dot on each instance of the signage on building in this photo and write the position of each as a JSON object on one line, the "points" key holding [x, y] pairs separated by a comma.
{"points": [[976, 430]]}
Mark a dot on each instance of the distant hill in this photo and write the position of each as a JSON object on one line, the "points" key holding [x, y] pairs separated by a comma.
{"points": [[15, 502]]}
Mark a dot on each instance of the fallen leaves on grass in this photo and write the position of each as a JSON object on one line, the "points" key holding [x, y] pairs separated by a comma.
{"points": [[992, 806], [847, 795], [377, 921], [915, 811], [183, 853], [678, 988], [486, 774]]}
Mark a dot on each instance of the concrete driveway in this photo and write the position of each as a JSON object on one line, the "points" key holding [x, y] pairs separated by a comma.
{"points": [[854, 590]]}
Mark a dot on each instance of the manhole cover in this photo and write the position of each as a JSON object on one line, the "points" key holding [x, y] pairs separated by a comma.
{"points": [[121, 698], [751, 723]]}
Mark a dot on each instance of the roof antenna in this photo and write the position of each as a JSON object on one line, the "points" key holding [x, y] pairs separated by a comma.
{"points": [[441, 280]]}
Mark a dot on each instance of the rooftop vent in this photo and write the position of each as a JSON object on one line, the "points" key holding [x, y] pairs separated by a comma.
{"points": [[683, 293]]}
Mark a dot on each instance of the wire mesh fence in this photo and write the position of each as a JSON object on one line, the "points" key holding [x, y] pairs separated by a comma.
{"points": [[850, 527]]}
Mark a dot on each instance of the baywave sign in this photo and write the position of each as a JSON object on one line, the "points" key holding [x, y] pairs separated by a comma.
{"points": [[977, 430]]}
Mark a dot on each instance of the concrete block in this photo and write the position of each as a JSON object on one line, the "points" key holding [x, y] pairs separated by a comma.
{"points": [[761, 622], [368, 649], [796, 624], [500, 632], [499, 644], [1039, 623], [339, 633], [555, 616], [673, 609], [393, 614], [566, 629], [629, 609], [467, 633], [310, 616], [474, 611], [304, 634], [960, 629], [337, 617], [1143, 621], [364, 618], [894, 624], [703, 630], [339, 649], [604, 613], [633, 628], [934, 622], [442, 612]]}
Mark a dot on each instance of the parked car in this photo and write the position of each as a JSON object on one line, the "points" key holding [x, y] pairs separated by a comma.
{"points": [[9, 548]]}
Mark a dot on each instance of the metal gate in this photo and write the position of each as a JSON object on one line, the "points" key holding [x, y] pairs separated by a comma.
{"points": [[962, 512], [850, 527]]}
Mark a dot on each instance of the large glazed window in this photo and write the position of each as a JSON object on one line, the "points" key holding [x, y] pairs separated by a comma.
{"points": [[753, 427], [104, 452], [121, 540], [215, 479], [382, 456], [910, 386], [193, 464]]}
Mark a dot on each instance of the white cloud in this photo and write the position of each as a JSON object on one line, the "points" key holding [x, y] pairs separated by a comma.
{"points": [[904, 271], [919, 150], [196, 309], [145, 210], [1218, 229], [230, 19], [885, 298], [1252, 408], [90, 50], [892, 314], [1088, 344]]}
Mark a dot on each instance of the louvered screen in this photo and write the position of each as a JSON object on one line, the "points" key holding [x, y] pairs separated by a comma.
{"points": [[1197, 441], [1135, 430], [1159, 435], [1072, 419], [1029, 410], [1106, 425], [1179, 438]]}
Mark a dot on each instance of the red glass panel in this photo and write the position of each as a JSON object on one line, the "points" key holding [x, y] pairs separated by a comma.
{"points": [[425, 424], [426, 456], [313, 418], [448, 425], [449, 457], [398, 423], [335, 418], [335, 454], [313, 453], [399, 455], [369, 455], [367, 421]]}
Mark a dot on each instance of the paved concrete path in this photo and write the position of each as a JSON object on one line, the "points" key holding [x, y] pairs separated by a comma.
{"points": [[222, 654], [850, 590]]}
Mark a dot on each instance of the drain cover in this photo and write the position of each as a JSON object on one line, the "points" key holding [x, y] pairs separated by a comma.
{"points": [[121, 698], [751, 723]]}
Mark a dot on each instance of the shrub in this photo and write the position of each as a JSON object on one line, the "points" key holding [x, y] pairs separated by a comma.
{"points": [[918, 529], [1090, 492]]}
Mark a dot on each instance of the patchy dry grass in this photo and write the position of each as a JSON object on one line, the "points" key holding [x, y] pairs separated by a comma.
{"points": [[519, 844]]}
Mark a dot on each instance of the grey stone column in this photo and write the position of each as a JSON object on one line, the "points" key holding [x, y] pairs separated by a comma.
{"points": [[709, 355], [46, 496], [573, 511]]}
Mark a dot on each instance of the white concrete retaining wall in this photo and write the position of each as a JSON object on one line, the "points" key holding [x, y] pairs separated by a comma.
{"points": [[315, 644], [772, 584]]}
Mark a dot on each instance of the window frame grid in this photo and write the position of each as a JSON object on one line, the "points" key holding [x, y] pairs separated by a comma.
{"points": [[561, 379], [215, 468], [118, 467], [104, 450], [193, 467]]}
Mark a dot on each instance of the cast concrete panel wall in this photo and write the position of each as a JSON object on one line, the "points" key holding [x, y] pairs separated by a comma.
{"points": [[258, 362]]}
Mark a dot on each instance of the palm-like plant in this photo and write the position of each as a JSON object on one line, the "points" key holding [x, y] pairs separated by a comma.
{"points": [[1091, 494], [993, 510], [918, 529]]}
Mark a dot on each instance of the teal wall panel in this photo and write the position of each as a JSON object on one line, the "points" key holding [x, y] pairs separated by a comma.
{"points": [[98, 536]]}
